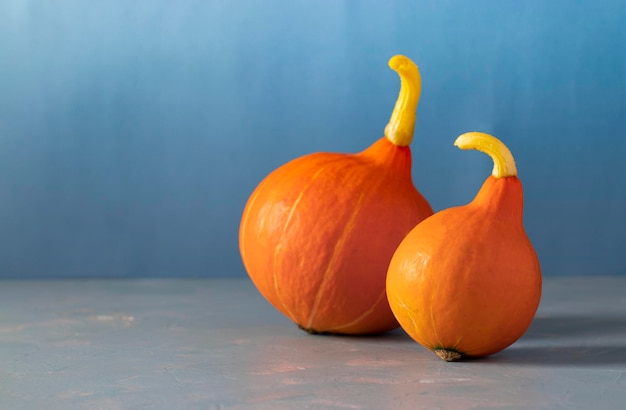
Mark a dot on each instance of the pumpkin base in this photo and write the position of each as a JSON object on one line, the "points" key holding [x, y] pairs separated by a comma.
{"points": [[313, 331], [449, 355]]}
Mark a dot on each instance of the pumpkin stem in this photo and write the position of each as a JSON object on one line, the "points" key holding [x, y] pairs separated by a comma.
{"points": [[400, 128], [503, 161]]}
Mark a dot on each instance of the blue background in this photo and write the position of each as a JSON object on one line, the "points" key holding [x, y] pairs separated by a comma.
{"points": [[132, 132]]}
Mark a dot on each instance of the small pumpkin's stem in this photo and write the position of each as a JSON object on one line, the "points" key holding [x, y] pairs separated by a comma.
{"points": [[400, 128], [503, 161]]}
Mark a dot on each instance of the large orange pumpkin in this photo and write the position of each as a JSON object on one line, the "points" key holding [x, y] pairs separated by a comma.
{"points": [[317, 234], [466, 281]]}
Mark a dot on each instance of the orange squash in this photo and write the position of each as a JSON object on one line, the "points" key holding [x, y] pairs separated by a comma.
{"points": [[466, 282], [317, 234]]}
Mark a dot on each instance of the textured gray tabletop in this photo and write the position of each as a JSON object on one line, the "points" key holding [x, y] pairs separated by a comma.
{"points": [[216, 344]]}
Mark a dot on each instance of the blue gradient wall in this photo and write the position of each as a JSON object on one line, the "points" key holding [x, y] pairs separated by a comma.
{"points": [[132, 132]]}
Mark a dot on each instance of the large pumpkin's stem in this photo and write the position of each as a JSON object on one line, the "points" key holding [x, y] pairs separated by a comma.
{"points": [[400, 128], [503, 162]]}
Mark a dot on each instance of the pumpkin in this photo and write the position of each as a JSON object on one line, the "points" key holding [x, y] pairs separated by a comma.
{"points": [[466, 282], [317, 234]]}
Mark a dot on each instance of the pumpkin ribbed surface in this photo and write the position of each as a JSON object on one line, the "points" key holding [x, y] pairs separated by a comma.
{"points": [[318, 233]]}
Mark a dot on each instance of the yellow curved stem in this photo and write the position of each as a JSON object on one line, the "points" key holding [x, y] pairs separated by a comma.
{"points": [[400, 128], [503, 161]]}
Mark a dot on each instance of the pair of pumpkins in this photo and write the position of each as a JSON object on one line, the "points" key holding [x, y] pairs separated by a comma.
{"points": [[345, 244]]}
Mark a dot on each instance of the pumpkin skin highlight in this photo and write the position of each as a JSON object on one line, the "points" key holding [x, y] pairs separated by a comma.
{"points": [[317, 235], [466, 282]]}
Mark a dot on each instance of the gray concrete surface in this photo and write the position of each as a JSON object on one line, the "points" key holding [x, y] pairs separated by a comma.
{"points": [[216, 344]]}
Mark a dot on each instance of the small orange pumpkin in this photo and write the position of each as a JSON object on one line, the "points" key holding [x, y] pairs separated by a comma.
{"points": [[466, 281], [317, 234]]}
